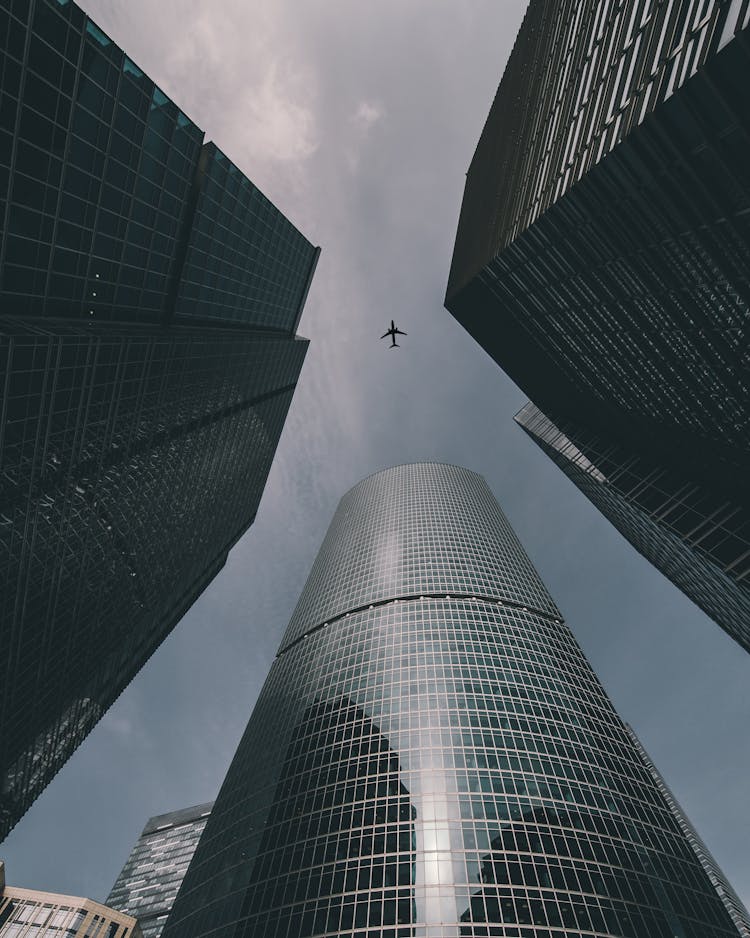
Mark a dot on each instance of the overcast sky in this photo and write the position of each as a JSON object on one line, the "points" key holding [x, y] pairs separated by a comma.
{"points": [[359, 120]]}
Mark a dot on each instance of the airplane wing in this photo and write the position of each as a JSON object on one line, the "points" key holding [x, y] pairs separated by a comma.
{"points": [[399, 332], [384, 335]]}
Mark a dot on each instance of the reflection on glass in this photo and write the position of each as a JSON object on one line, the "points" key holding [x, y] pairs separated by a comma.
{"points": [[340, 830]]}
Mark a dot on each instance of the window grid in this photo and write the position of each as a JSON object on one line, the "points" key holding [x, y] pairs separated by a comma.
{"points": [[440, 765]]}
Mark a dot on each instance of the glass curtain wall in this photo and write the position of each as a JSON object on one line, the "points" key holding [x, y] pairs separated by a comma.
{"points": [[432, 754]]}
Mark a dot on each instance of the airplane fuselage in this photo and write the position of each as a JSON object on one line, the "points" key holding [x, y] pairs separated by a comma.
{"points": [[393, 332]]}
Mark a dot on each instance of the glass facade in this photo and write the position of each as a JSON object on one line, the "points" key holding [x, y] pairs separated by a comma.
{"points": [[27, 913], [245, 263], [692, 533], [581, 77], [114, 207], [432, 755], [138, 424], [132, 463], [148, 882], [603, 248], [97, 167], [729, 897]]}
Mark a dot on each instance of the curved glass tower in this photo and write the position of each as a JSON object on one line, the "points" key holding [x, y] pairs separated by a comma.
{"points": [[432, 754]]}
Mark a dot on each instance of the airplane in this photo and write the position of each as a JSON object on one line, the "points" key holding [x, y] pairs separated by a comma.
{"points": [[393, 332]]}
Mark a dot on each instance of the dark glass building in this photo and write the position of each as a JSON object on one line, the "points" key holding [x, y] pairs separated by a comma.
{"points": [[148, 882], [602, 260], [690, 533], [432, 755], [149, 297]]}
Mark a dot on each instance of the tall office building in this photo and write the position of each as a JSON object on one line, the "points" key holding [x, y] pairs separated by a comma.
{"points": [[432, 755], [602, 260], [148, 882], [29, 913], [729, 897], [683, 529], [149, 298]]}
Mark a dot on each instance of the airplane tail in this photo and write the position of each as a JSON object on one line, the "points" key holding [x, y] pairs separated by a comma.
{"points": [[395, 345]]}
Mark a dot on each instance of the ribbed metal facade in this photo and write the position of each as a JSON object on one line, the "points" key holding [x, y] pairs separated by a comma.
{"points": [[432, 755], [150, 879], [149, 295], [603, 250]]}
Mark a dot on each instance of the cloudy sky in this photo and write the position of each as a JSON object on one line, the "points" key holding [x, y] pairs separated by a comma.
{"points": [[359, 120]]}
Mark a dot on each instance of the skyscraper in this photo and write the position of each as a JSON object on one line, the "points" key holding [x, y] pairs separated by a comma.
{"points": [[729, 897], [601, 259], [149, 298], [432, 755], [689, 532], [148, 882]]}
